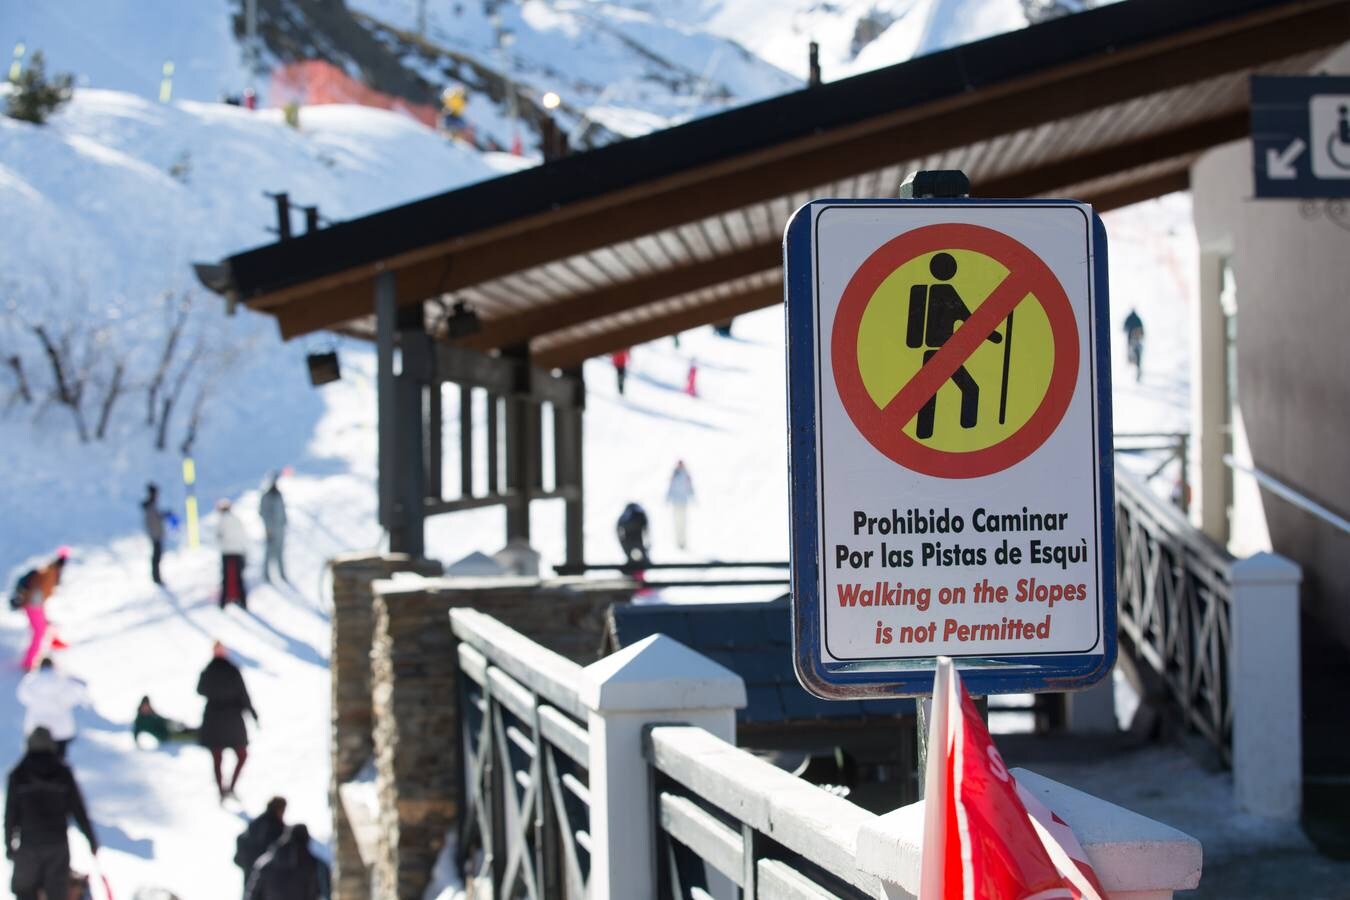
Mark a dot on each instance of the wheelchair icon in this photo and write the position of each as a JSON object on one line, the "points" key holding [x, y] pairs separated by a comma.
{"points": [[1330, 131]]}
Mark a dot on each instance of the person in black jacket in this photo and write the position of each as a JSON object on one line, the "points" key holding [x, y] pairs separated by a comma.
{"points": [[289, 871], [41, 799], [223, 719], [259, 836]]}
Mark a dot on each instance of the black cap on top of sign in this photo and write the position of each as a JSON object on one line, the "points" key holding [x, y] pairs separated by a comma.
{"points": [[935, 183]]}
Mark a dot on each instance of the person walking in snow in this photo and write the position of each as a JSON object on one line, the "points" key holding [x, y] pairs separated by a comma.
{"points": [[49, 699], [1134, 342], [691, 380], [678, 495], [259, 836], [290, 871], [620, 360], [233, 545], [153, 518], [632, 532], [31, 594], [222, 684], [272, 509], [41, 799]]}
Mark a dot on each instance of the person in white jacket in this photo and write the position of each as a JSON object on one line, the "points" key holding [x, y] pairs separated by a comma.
{"points": [[678, 495], [49, 700], [233, 545]]}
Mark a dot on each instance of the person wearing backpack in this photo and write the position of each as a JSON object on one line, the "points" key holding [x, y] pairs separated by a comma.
{"points": [[290, 871], [632, 533], [31, 594], [41, 798], [259, 836]]}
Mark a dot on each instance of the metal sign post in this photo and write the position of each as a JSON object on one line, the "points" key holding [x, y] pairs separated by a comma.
{"points": [[951, 491]]}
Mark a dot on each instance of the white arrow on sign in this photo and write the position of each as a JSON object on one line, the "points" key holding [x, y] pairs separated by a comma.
{"points": [[1280, 166]]}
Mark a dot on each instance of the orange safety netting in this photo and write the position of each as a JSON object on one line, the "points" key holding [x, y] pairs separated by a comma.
{"points": [[314, 82]]}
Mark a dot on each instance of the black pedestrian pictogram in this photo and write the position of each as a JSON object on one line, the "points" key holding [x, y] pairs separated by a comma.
{"points": [[934, 312]]}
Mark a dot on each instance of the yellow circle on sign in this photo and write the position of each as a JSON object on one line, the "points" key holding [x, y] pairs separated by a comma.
{"points": [[966, 415]]}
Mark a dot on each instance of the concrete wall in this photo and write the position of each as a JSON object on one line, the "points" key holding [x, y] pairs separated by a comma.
{"points": [[1292, 275], [414, 691]]}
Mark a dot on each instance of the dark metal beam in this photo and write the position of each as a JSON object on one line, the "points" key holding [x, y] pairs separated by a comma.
{"points": [[565, 312], [566, 353]]}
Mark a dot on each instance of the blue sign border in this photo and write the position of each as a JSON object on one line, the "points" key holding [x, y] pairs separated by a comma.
{"points": [[914, 678]]}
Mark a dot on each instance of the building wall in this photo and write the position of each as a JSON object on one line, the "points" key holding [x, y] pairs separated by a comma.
{"points": [[1291, 262]]}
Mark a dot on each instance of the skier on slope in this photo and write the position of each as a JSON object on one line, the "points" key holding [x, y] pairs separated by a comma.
{"points": [[678, 495], [1134, 342], [222, 684], [41, 799], [290, 871], [259, 836], [233, 546], [49, 700], [632, 531], [31, 594], [620, 360], [153, 518], [272, 509]]}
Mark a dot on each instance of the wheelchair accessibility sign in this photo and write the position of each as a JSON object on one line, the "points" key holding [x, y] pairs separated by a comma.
{"points": [[950, 435], [1301, 136]]}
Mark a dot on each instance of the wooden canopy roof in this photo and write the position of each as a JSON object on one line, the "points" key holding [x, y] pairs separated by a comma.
{"points": [[654, 235]]}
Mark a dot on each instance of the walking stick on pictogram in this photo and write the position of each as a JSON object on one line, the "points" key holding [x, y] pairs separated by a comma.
{"points": [[1007, 357]]}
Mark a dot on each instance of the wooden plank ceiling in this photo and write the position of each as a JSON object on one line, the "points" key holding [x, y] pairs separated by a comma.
{"points": [[701, 244]]}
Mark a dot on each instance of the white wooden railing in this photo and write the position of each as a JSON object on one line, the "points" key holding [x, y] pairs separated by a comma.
{"points": [[621, 781], [1223, 636]]}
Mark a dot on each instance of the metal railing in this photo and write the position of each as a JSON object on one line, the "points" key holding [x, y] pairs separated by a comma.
{"points": [[1174, 590], [728, 813], [1174, 446], [526, 815], [1285, 492]]}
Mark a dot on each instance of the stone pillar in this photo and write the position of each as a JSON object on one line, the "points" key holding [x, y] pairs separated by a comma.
{"points": [[658, 680], [413, 671], [349, 663]]}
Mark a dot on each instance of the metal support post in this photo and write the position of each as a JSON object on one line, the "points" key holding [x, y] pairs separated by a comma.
{"points": [[411, 469], [386, 322], [435, 466], [517, 469], [494, 482], [465, 440], [567, 453]]}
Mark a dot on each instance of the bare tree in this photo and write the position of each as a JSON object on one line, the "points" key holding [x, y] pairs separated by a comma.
{"points": [[175, 391], [69, 383], [178, 321], [22, 392], [110, 395]]}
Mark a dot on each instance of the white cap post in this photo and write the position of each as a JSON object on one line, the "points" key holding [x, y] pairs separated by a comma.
{"points": [[1265, 675], [655, 681]]}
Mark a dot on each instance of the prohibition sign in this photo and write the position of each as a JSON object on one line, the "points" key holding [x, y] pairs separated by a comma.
{"points": [[884, 423]]}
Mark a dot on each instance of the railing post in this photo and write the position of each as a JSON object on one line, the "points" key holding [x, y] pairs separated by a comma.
{"points": [[657, 680], [1136, 858], [1264, 675]]}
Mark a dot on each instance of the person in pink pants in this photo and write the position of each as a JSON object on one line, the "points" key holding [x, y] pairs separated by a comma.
{"points": [[37, 588]]}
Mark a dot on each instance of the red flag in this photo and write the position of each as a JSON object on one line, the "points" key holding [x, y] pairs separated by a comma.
{"points": [[980, 840]]}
